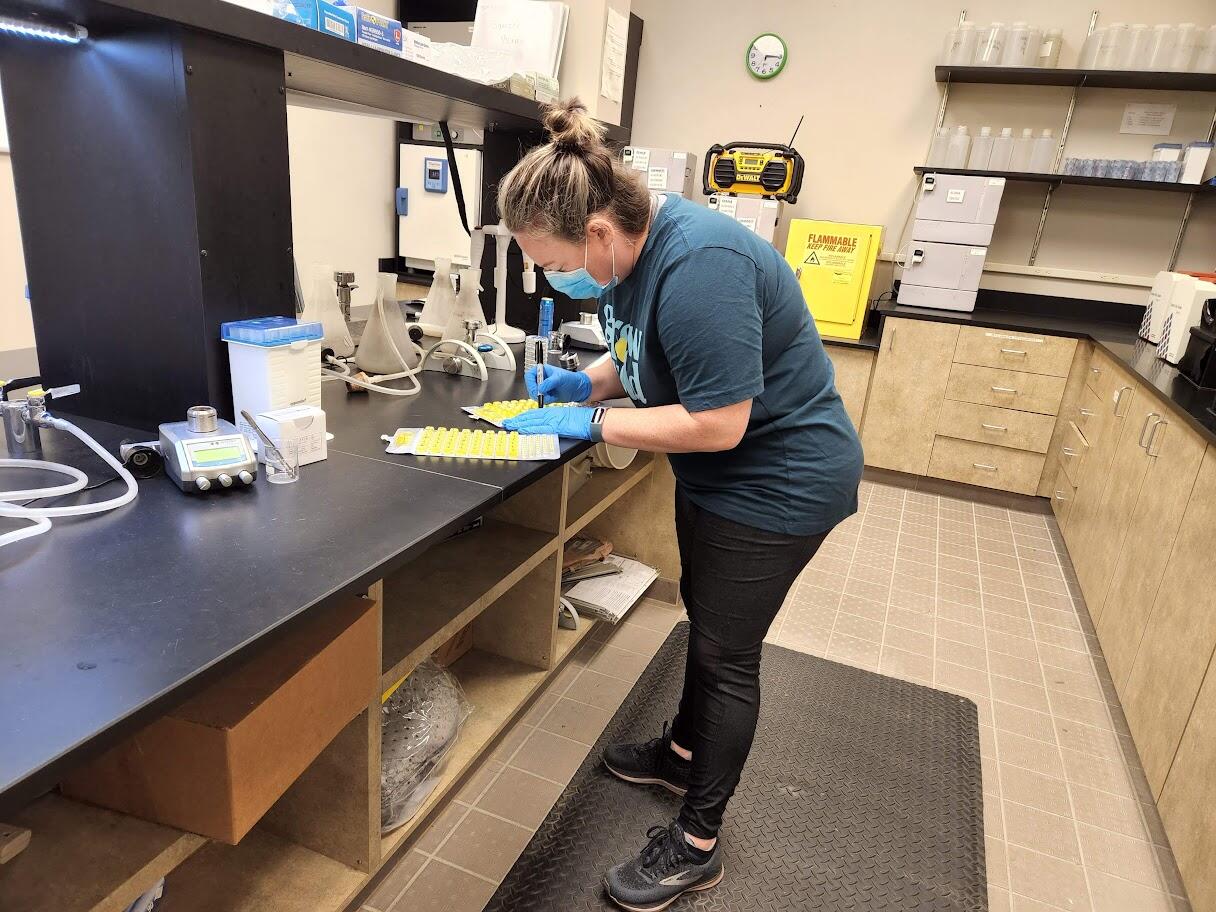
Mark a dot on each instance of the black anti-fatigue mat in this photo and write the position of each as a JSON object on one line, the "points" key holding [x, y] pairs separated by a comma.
{"points": [[862, 793]]}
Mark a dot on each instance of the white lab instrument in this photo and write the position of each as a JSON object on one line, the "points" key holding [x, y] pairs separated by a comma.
{"points": [[322, 306], [960, 198], [273, 362], [440, 300], [958, 148], [427, 216], [981, 151], [1184, 311], [664, 170], [943, 266], [585, 332], [502, 244], [1043, 156], [205, 452], [473, 355], [386, 346], [1158, 303], [757, 214], [33, 411], [1023, 151], [1002, 150]]}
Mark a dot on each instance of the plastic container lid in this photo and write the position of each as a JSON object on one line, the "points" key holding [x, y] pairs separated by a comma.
{"points": [[985, 131], [1006, 131], [270, 331], [1027, 132]]}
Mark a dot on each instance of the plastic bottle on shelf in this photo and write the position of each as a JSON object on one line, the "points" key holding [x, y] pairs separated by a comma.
{"points": [[981, 150], [1030, 53], [1089, 51], [990, 45], [1023, 150], [1049, 49], [1161, 47], [959, 147], [1139, 40], [1110, 48], [1016, 40], [1002, 150], [1186, 49], [1206, 61], [960, 45], [1043, 154], [938, 148]]}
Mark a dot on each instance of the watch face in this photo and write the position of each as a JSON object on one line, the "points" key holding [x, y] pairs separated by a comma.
{"points": [[766, 56]]}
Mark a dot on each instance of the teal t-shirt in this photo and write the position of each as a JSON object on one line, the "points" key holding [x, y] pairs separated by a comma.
{"points": [[712, 315]]}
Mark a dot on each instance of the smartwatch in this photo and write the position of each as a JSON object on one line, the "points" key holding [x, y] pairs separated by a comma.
{"points": [[597, 424]]}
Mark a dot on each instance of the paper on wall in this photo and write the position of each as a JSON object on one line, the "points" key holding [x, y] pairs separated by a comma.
{"points": [[616, 37], [1148, 119]]}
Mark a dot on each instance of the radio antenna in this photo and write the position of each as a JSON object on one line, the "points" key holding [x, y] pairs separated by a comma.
{"points": [[796, 129]]}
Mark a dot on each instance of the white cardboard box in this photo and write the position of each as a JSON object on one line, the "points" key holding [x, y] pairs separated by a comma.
{"points": [[303, 424]]}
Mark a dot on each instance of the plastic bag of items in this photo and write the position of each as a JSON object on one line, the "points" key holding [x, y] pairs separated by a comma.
{"points": [[419, 723]]}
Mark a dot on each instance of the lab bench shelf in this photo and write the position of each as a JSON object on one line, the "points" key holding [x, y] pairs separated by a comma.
{"points": [[88, 859], [337, 74], [1092, 79], [451, 584], [1074, 179], [604, 488]]}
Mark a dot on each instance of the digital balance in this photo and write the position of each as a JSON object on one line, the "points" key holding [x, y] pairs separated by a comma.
{"points": [[205, 451]]}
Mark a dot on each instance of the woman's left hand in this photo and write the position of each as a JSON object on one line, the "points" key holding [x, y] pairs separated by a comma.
{"points": [[566, 421]]}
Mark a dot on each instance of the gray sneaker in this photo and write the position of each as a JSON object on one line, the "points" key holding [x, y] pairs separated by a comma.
{"points": [[651, 763], [663, 872]]}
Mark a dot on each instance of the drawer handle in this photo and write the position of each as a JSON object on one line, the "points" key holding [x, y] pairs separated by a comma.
{"points": [[1069, 451], [1004, 389], [994, 427], [1095, 371], [1086, 413], [1152, 437], [984, 466], [1059, 495], [1014, 351], [1145, 437], [1119, 400]]}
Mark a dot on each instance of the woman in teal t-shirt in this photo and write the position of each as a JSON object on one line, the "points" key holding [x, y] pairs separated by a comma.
{"points": [[710, 337]]}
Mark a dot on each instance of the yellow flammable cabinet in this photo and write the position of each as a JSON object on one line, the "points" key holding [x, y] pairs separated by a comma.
{"points": [[834, 263]]}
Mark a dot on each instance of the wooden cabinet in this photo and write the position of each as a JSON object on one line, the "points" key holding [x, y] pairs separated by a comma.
{"points": [[986, 465], [853, 368], [1188, 799], [1178, 639], [1106, 509], [1006, 388], [998, 426], [1063, 493], [1149, 537], [906, 393], [1030, 352]]}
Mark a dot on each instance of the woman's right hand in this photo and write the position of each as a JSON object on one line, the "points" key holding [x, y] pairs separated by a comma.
{"points": [[559, 385]]}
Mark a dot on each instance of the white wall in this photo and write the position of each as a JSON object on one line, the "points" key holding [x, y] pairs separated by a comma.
{"points": [[862, 73], [16, 325]]}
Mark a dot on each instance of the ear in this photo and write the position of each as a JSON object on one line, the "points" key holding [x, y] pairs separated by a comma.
{"points": [[601, 230]]}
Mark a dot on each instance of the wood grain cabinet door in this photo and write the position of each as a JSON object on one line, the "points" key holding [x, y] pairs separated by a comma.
{"points": [[906, 393], [1176, 453], [853, 367], [1110, 512], [1177, 644], [1188, 799]]}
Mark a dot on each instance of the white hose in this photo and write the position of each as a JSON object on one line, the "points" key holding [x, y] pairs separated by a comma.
{"points": [[40, 517], [340, 371]]}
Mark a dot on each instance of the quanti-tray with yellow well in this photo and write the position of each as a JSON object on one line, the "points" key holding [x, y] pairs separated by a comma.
{"points": [[464, 443]]}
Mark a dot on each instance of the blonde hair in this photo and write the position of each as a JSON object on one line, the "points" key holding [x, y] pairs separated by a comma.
{"points": [[557, 187]]}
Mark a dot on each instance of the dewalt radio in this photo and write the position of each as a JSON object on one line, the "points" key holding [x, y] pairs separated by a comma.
{"points": [[755, 169]]}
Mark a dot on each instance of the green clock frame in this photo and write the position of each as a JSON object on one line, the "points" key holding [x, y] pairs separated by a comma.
{"points": [[747, 53]]}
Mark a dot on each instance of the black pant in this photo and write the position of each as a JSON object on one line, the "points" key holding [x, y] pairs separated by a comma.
{"points": [[734, 579]]}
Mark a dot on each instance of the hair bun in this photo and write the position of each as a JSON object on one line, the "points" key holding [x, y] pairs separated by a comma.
{"points": [[571, 128]]}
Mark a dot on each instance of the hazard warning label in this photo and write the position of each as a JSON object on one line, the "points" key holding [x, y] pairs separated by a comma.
{"points": [[837, 252]]}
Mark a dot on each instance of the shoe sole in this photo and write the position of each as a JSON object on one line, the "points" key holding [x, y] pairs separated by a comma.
{"points": [[646, 780], [698, 888]]}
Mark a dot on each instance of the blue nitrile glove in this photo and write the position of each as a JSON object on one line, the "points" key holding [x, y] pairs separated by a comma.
{"points": [[568, 421], [559, 385]]}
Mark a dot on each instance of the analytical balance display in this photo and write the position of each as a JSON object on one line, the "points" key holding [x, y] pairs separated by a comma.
{"points": [[204, 451]]}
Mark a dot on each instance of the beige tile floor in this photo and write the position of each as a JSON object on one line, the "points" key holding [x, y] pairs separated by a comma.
{"points": [[937, 588]]}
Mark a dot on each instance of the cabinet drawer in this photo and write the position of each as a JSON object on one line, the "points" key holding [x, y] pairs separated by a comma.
{"points": [[1072, 453], [990, 424], [1005, 388], [1087, 414], [1027, 352], [986, 465], [1062, 496]]}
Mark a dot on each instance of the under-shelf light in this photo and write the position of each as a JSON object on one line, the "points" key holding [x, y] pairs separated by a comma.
{"points": [[64, 34]]}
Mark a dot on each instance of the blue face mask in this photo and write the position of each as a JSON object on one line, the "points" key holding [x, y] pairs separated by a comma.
{"points": [[580, 284]]}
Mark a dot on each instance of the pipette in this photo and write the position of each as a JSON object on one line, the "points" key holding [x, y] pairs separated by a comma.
{"points": [[540, 372]]}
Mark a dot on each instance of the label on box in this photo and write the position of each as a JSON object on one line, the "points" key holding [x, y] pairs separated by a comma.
{"points": [[748, 223], [376, 31], [727, 205], [336, 20], [656, 179], [955, 195], [641, 159]]}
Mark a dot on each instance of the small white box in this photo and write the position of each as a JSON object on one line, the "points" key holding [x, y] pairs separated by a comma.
{"points": [[267, 377], [1195, 162], [302, 424], [415, 47]]}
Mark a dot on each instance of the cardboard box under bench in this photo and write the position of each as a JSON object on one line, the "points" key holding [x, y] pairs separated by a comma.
{"points": [[217, 763]]}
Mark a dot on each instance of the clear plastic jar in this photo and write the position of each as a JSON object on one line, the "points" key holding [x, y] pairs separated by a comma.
{"points": [[990, 46], [1186, 50], [1110, 48], [1161, 47], [1206, 61], [1089, 51], [1049, 49], [1016, 40], [1135, 54], [959, 49]]}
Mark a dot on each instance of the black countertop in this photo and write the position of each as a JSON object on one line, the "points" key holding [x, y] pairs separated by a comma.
{"points": [[108, 621], [1114, 328]]}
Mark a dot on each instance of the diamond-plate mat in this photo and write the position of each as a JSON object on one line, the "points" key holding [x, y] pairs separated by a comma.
{"points": [[862, 793]]}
